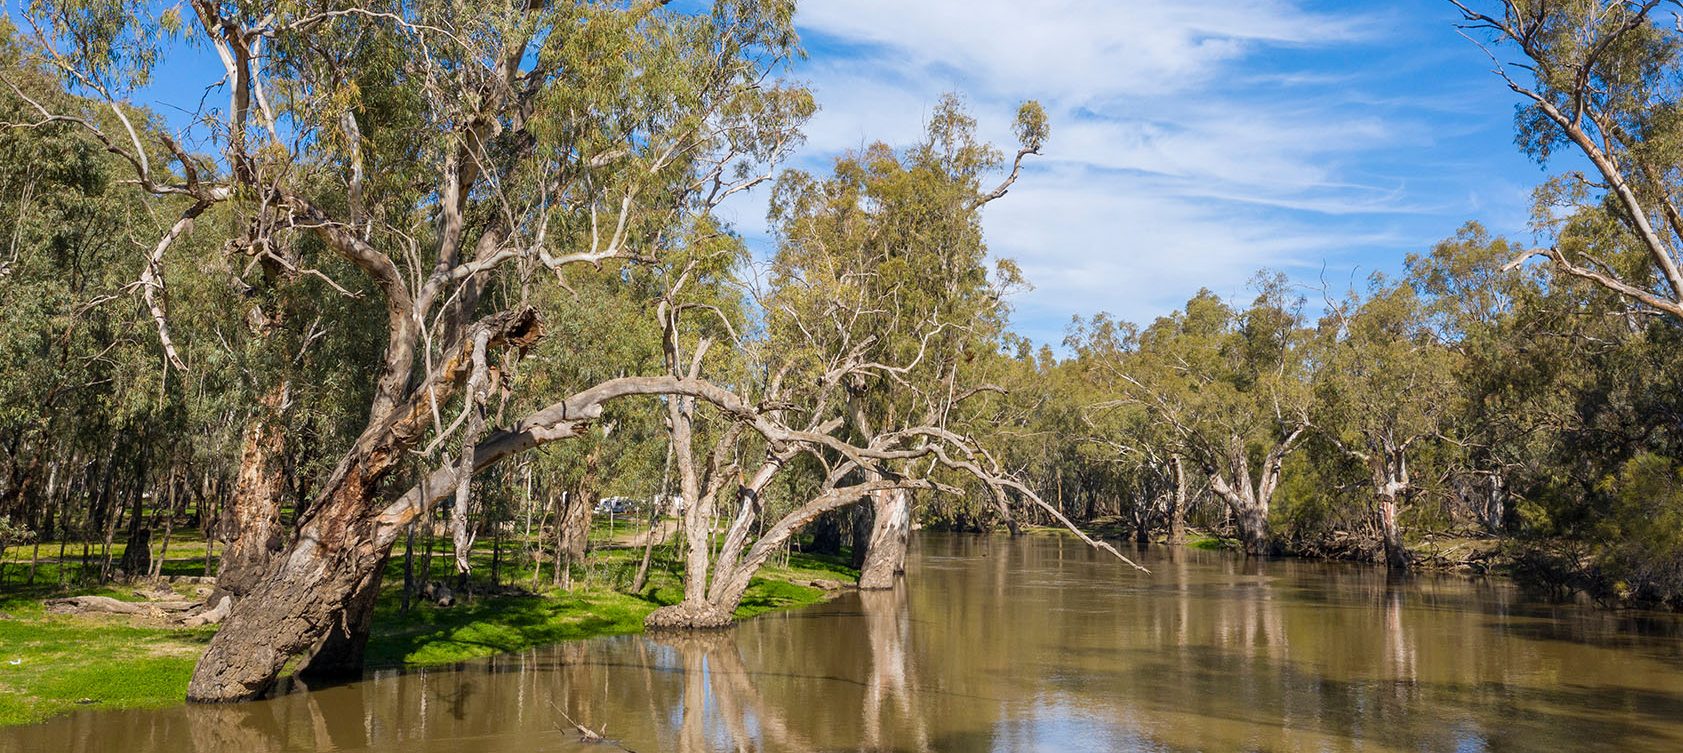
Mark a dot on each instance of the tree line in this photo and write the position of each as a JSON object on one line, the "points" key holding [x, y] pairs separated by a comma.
{"points": [[424, 267]]}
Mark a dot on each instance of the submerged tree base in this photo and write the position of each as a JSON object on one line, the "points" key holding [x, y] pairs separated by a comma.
{"points": [[689, 616]]}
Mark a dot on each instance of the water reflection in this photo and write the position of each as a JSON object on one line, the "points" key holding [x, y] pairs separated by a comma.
{"points": [[1038, 644]]}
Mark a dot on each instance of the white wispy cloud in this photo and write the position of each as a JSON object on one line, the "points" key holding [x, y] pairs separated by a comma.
{"points": [[1193, 142]]}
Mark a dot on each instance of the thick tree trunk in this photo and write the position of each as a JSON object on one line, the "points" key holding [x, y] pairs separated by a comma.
{"points": [[1177, 505], [340, 654], [1253, 528], [860, 524], [890, 534], [1249, 511], [1396, 555], [309, 592], [1248, 500], [137, 552], [574, 521], [250, 528]]}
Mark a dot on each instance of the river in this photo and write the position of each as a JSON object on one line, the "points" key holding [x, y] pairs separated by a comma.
{"points": [[1019, 645]]}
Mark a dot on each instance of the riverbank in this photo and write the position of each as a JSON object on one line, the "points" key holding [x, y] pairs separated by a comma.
{"points": [[53, 663], [1465, 552]]}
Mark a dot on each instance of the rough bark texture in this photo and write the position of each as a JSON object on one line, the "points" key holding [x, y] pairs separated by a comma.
{"points": [[1250, 514], [302, 599], [340, 654], [688, 615], [1177, 502], [891, 531], [250, 528], [1253, 529], [316, 586]]}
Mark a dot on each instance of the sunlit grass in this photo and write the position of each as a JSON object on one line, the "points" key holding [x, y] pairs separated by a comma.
{"points": [[66, 662]]}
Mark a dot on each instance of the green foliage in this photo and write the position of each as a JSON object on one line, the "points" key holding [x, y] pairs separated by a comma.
{"points": [[1642, 555]]}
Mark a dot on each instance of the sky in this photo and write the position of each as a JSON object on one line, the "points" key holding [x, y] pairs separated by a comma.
{"points": [[1193, 142]]}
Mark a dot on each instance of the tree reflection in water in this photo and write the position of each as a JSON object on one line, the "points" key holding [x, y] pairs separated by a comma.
{"points": [[1002, 645]]}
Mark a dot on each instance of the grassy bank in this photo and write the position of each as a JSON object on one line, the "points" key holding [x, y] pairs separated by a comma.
{"points": [[66, 662]]}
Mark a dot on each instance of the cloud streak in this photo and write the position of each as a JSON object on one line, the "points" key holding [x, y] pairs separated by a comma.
{"points": [[1193, 142]]}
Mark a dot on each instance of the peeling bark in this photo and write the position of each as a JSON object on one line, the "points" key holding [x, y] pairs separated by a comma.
{"points": [[891, 532], [1177, 502], [250, 528]]}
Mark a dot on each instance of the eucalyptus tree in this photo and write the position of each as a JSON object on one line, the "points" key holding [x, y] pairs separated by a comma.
{"points": [[1232, 389], [1600, 78], [1476, 307], [450, 156], [1384, 385], [902, 231], [801, 364], [1123, 432], [92, 428]]}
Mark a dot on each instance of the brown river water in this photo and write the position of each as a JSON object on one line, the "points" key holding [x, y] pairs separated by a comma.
{"points": [[1037, 644]]}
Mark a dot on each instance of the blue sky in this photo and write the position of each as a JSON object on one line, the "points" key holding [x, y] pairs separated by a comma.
{"points": [[1193, 142]]}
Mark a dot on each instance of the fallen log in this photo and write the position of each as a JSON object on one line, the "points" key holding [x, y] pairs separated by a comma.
{"points": [[100, 605], [108, 605]]}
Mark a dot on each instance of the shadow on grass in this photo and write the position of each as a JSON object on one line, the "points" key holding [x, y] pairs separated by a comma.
{"points": [[480, 626]]}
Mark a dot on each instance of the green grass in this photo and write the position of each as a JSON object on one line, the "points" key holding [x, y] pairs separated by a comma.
{"points": [[1211, 543], [597, 605], [101, 661], [115, 662]]}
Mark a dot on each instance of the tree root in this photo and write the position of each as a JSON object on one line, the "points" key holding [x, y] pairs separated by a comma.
{"points": [[211, 616], [689, 616]]}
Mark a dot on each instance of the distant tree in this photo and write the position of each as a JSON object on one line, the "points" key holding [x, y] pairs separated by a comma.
{"points": [[1232, 388], [1384, 386]]}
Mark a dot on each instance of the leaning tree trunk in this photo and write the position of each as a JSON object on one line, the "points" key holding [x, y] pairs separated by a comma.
{"points": [[891, 532], [736, 568], [309, 591], [340, 654]]}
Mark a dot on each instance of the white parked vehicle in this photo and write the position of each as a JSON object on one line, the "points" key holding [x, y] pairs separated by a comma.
{"points": [[616, 506]]}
